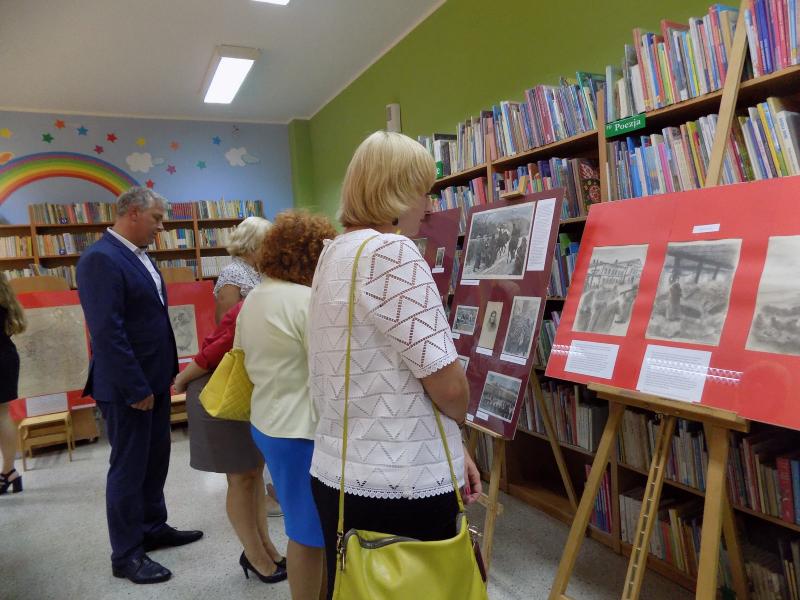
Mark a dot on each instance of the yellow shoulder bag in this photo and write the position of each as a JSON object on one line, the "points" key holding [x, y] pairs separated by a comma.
{"points": [[382, 566], [227, 394]]}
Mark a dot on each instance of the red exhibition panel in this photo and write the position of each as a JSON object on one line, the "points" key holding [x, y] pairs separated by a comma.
{"points": [[499, 301], [693, 294], [437, 240]]}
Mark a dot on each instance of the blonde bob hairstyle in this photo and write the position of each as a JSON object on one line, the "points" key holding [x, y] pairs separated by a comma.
{"points": [[388, 173], [248, 236]]}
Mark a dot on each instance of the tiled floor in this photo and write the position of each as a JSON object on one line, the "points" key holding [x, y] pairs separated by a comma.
{"points": [[53, 542]]}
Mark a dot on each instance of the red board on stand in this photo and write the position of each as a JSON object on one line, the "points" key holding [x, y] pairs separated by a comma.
{"points": [[499, 301], [199, 294], [437, 240], [692, 296]]}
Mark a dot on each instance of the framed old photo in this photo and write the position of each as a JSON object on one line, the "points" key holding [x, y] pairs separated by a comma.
{"points": [[491, 323], [521, 326], [465, 320], [498, 243], [500, 395], [439, 258]]}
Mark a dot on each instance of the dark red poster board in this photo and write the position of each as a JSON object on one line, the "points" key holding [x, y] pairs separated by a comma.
{"points": [[437, 240], [199, 294], [499, 301], [716, 316]]}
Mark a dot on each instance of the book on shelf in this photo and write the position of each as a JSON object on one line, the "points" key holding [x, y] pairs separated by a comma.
{"points": [[773, 572], [189, 263], [15, 246], [65, 272], [177, 211], [454, 275], [565, 256], [17, 273], [579, 176], [73, 214], [763, 144], [229, 209], [547, 335], [602, 515], [66, 243], [218, 237], [445, 150], [484, 452], [463, 197], [173, 239], [213, 265]]}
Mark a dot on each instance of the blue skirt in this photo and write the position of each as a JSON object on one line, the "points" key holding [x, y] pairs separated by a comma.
{"points": [[289, 462]]}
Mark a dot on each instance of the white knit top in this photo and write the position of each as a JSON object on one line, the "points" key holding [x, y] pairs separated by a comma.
{"points": [[400, 334]]}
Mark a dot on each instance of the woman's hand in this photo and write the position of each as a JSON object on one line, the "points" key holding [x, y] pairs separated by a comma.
{"points": [[180, 383], [472, 477]]}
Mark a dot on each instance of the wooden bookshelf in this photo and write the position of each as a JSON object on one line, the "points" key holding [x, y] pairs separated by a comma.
{"points": [[542, 488]]}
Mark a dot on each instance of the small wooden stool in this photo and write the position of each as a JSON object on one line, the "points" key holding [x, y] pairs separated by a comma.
{"points": [[177, 413], [45, 430]]}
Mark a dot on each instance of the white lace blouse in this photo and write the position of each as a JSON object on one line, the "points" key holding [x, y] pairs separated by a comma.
{"points": [[400, 334], [239, 274]]}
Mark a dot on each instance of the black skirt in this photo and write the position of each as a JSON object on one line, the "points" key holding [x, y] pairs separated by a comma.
{"points": [[9, 372]]}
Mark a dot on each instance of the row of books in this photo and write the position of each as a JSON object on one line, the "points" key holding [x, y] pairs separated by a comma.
{"points": [[180, 210], [213, 265], [602, 514], [771, 575], [764, 474], [676, 533], [579, 176], [762, 145], [216, 238], [688, 458], [772, 34], [463, 197], [48, 213], [229, 209], [66, 243], [681, 61], [547, 336], [16, 273], [565, 256], [190, 263], [68, 272], [15, 246], [173, 239]]}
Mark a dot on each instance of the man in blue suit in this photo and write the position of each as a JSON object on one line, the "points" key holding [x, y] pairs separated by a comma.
{"points": [[134, 361]]}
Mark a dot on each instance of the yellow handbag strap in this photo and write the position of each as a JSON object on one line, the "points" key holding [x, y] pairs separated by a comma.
{"points": [[350, 311]]}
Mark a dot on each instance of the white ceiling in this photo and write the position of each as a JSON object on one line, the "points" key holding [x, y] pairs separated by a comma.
{"points": [[149, 57]]}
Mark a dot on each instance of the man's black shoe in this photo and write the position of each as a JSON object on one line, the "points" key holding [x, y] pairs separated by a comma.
{"points": [[169, 537], [142, 570]]}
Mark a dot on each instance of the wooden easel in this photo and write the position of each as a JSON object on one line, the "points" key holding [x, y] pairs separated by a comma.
{"points": [[717, 513]]}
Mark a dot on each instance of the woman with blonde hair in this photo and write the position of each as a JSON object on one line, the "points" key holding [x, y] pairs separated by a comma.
{"points": [[403, 362], [12, 322]]}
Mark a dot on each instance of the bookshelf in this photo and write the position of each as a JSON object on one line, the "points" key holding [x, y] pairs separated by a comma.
{"points": [[531, 474], [55, 247]]}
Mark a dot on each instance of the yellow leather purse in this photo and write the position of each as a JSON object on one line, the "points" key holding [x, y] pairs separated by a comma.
{"points": [[227, 394], [382, 566]]}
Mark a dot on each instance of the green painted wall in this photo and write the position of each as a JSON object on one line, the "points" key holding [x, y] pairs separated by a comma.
{"points": [[302, 174], [468, 55]]}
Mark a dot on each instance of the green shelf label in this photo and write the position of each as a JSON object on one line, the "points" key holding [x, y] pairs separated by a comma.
{"points": [[624, 126], [439, 169]]}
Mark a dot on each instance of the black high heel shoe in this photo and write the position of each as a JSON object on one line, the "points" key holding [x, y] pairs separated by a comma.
{"points": [[278, 575], [5, 482]]}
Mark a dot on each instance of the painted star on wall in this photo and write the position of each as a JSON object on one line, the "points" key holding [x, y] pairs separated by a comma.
{"points": [[174, 145], [46, 137], [82, 130], [171, 169], [5, 132], [141, 141], [150, 183], [216, 140], [98, 149], [201, 164], [111, 137], [59, 124]]}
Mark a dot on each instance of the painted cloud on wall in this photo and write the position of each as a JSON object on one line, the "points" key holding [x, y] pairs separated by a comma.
{"points": [[142, 162], [238, 157]]}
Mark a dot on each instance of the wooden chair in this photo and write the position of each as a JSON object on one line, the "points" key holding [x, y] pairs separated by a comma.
{"points": [[177, 274], [38, 283], [45, 430]]}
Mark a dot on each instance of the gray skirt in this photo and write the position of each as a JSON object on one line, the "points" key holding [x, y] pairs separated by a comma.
{"points": [[218, 445]]}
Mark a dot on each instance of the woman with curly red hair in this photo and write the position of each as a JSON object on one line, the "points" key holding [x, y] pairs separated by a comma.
{"points": [[271, 329]]}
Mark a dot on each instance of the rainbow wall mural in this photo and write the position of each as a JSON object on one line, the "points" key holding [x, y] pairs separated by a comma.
{"points": [[26, 169]]}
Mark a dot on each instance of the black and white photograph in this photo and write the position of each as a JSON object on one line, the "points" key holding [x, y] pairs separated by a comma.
{"points": [[439, 258], [694, 291], [610, 289], [421, 244], [776, 322], [498, 243], [464, 361], [500, 395], [466, 319], [185, 328], [491, 322], [521, 326]]}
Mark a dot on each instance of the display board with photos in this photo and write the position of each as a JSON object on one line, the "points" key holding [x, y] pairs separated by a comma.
{"points": [[55, 352], [499, 301], [693, 296], [436, 240]]}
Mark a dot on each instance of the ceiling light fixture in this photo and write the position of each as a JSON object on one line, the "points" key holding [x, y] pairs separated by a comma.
{"points": [[227, 71], [281, 2]]}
